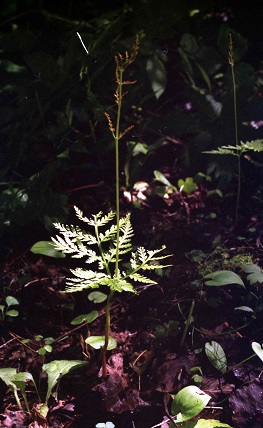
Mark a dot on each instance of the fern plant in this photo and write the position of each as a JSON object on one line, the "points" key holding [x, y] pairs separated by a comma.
{"points": [[109, 238], [239, 149]]}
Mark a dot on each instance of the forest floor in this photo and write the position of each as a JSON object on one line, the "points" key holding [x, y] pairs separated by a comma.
{"points": [[156, 354]]}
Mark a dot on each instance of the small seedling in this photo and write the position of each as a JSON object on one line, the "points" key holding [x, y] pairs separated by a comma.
{"points": [[54, 370], [5, 309]]}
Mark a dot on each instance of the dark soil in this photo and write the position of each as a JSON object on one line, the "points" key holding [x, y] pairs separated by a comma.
{"points": [[153, 358]]}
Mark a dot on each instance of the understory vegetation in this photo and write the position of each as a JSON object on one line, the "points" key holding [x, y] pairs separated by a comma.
{"points": [[131, 204]]}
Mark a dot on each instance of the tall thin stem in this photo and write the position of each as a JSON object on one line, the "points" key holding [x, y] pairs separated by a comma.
{"points": [[232, 64], [117, 171]]}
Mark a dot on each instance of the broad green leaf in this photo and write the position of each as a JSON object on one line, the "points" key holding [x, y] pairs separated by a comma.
{"points": [[216, 355], [12, 313], [223, 277], [255, 274], [48, 348], [11, 301], [97, 342], [189, 402], [205, 423], [88, 318], [188, 185], [42, 351], [257, 349], [46, 248], [49, 340], [7, 374], [97, 297], [157, 75], [58, 368]]}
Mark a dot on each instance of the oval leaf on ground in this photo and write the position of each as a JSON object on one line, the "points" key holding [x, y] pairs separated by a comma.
{"points": [[97, 342], [189, 402], [223, 277], [46, 248], [216, 355]]}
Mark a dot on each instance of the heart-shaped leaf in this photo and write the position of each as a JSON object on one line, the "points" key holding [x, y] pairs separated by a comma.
{"points": [[97, 342]]}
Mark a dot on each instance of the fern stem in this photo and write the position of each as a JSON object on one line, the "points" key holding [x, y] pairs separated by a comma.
{"points": [[107, 334], [117, 169]]}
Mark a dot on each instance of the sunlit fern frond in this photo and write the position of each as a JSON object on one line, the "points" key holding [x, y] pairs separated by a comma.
{"points": [[84, 279], [75, 233], [255, 145], [141, 278]]}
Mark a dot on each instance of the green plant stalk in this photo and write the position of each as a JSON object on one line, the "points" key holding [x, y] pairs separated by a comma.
{"points": [[232, 64], [117, 200], [107, 334], [17, 399], [187, 325]]}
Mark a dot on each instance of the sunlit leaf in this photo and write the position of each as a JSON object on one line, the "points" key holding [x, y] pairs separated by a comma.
{"points": [[12, 313], [46, 248], [11, 301], [58, 368], [97, 342], [216, 355], [189, 402]]}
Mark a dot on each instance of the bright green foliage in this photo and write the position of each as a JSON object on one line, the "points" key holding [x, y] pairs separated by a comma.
{"points": [[17, 381], [188, 185], [58, 368], [216, 355], [5, 309], [97, 342], [255, 146], [78, 243], [189, 402]]}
